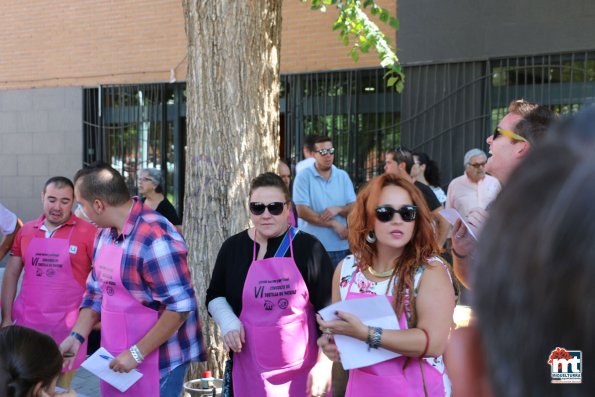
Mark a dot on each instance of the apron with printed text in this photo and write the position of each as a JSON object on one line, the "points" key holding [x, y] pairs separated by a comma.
{"points": [[124, 322], [50, 296], [388, 378], [278, 320]]}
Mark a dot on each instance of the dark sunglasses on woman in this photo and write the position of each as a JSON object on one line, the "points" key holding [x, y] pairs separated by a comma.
{"points": [[385, 213], [275, 208]]}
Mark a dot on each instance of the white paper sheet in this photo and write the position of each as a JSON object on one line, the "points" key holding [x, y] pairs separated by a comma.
{"points": [[98, 365], [375, 312], [451, 215]]}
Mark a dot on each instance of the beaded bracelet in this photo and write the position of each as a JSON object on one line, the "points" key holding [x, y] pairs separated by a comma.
{"points": [[374, 337]]}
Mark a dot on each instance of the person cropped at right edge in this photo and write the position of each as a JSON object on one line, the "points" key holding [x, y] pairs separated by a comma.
{"points": [[395, 254], [517, 134]]}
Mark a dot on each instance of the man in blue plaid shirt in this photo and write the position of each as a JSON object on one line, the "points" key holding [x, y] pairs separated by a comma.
{"points": [[140, 288]]}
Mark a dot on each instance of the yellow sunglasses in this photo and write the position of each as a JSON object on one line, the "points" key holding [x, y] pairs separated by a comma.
{"points": [[500, 131]]}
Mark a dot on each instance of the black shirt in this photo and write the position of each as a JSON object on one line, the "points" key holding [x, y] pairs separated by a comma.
{"points": [[429, 195], [166, 209], [235, 257]]}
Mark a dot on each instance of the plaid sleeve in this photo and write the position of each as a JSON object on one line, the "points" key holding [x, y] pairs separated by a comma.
{"points": [[167, 273]]}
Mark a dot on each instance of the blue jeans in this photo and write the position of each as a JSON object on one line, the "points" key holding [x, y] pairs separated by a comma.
{"points": [[171, 384], [337, 256]]}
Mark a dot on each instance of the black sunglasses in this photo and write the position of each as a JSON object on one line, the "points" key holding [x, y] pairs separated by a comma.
{"points": [[385, 213], [275, 208]]}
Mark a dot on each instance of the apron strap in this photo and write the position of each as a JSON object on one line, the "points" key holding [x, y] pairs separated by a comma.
{"points": [[286, 243]]}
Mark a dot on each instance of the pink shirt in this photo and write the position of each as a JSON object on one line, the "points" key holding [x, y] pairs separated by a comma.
{"points": [[464, 195]]}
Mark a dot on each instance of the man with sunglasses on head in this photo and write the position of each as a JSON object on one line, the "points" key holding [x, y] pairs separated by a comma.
{"points": [[399, 161], [474, 188], [324, 196], [519, 131]]}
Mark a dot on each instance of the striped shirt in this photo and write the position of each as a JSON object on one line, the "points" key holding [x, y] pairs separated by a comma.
{"points": [[155, 272]]}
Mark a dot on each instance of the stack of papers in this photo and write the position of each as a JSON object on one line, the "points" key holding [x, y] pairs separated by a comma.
{"points": [[374, 312]]}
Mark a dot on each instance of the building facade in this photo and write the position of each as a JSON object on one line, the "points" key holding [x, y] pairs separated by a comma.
{"points": [[84, 81]]}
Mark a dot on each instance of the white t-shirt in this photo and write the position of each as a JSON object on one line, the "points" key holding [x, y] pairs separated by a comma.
{"points": [[8, 220], [305, 163]]}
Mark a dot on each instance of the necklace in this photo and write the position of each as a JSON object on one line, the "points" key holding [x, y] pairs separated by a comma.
{"points": [[380, 274]]}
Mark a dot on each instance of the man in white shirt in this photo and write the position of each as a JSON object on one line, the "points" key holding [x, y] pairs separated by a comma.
{"points": [[309, 149], [9, 225], [473, 189]]}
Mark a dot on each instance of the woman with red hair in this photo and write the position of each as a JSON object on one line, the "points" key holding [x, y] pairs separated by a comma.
{"points": [[395, 254]]}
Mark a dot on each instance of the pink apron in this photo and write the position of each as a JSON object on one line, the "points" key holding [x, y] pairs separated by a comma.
{"points": [[124, 321], [280, 328], [50, 296], [385, 378]]}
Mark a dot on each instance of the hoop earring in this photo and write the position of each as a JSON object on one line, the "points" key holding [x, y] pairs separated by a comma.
{"points": [[371, 237]]}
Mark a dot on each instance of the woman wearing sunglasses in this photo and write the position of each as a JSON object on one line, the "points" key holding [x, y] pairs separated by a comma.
{"points": [[267, 284], [394, 249]]}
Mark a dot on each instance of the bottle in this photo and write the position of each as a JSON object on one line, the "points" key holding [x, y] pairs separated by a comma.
{"points": [[206, 382]]}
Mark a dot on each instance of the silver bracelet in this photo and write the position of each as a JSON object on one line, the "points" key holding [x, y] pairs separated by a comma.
{"points": [[136, 354]]}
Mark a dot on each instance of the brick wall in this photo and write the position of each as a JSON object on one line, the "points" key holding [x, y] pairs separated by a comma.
{"points": [[84, 43], [309, 43]]}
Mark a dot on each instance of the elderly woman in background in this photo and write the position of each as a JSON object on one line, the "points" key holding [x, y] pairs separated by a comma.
{"points": [[395, 254], [150, 186], [267, 284]]}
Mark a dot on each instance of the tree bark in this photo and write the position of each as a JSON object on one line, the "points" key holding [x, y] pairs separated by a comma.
{"points": [[232, 130]]}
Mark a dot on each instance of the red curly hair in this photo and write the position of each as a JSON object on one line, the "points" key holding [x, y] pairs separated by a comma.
{"points": [[422, 245]]}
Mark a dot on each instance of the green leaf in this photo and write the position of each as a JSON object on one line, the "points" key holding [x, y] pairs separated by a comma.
{"points": [[384, 15], [354, 55], [368, 3], [394, 23], [390, 82]]}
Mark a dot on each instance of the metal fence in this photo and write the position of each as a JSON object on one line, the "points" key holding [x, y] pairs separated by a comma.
{"points": [[138, 126], [445, 110], [451, 108]]}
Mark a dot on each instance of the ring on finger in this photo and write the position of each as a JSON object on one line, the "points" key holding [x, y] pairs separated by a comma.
{"points": [[458, 236], [327, 331]]}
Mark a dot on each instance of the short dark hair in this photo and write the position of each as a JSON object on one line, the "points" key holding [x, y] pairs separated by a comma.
{"points": [[101, 181], [27, 357], [322, 139], [402, 155], [534, 270], [269, 179], [535, 124], [432, 172], [310, 141], [60, 182]]}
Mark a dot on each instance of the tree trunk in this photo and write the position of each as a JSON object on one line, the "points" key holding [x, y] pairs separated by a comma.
{"points": [[232, 130]]}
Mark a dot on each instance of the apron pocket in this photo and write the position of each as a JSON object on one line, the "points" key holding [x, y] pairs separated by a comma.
{"points": [[280, 346], [113, 335]]}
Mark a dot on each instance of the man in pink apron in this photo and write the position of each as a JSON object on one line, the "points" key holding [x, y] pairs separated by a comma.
{"points": [[140, 287], [54, 252]]}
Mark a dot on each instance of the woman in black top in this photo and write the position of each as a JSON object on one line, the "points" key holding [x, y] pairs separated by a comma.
{"points": [[150, 187], [240, 308]]}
